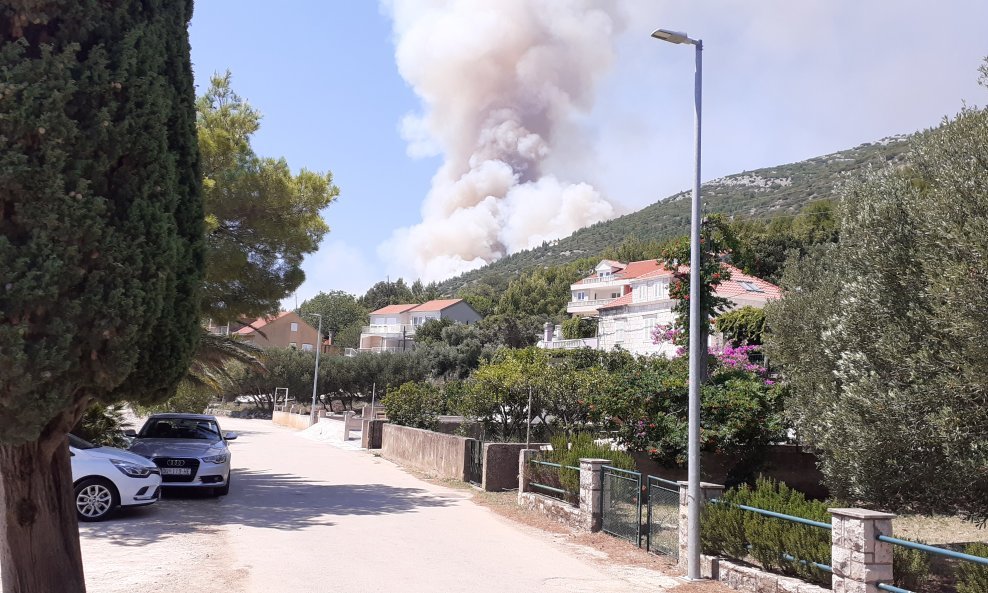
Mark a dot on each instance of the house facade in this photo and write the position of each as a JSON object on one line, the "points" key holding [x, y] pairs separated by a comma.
{"points": [[392, 328], [643, 302], [611, 280], [285, 330]]}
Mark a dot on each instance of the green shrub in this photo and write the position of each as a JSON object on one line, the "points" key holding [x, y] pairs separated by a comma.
{"points": [[971, 577], [415, 404], [102, 425], [567, 450], [729, 531], [910, 568], [189, 398]]}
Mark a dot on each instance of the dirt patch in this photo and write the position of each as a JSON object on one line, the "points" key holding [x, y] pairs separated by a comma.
{"points": [[938, 529], [603, 548]]}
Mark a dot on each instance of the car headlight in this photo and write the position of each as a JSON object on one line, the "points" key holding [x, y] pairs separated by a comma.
{"points": [[132, 469], [221, 458]]}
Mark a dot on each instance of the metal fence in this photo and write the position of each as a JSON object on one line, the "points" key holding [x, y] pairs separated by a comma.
{"points": [[555, 480], [929, 549], [621, 504], [662, 517]]}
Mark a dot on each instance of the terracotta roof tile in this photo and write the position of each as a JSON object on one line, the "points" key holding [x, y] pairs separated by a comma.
{"points": [[259, 323], [393, 309], [618, 302], [436, 305]]}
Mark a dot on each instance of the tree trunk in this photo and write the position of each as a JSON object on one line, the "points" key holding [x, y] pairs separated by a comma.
{"points": [[39, 532]]}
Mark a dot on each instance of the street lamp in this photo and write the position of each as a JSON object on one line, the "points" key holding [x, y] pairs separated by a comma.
{"points": [[697, 348], [315, 375]]}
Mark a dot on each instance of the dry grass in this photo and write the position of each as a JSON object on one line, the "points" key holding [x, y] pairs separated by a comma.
{"points": [[938, 529]]}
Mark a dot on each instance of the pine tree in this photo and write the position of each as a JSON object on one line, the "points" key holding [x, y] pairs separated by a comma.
{"points": [[100, 246]]}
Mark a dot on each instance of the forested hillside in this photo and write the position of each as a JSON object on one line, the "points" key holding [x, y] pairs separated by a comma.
{"points": [[761, 194]]}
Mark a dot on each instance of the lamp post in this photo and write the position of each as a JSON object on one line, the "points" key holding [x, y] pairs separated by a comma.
{"points": [[315, 375], [697, 349]]}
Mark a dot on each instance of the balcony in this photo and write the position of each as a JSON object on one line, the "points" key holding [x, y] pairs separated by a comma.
{"points": [[600, 280], [587, 306], [569, 344], [351, 352], [396, 329]]}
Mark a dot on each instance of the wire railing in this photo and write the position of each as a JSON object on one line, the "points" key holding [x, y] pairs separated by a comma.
{"points": [[793, 519], [557, 488], [952, 554]]}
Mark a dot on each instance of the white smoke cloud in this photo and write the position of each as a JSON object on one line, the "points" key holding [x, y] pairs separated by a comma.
{"points": [[499, 81]]}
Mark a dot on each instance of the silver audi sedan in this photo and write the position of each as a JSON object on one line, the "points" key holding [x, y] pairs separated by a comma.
{"points": [[189, 449]]}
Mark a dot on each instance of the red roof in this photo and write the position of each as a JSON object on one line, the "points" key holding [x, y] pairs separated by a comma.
{"points": [[259, 323], [632, 270], [756, 287], [618, 302], [437, 305], [393, 309]]}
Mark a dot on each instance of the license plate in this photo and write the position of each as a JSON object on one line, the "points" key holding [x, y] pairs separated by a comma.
{"points": [[176, 471]]}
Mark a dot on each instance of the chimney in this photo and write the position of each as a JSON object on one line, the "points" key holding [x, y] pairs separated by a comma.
{"points": [[548, 332]]}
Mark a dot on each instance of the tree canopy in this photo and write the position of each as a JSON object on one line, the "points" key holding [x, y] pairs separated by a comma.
{"points": [[877, 335], [100, 247], [261, 219]]}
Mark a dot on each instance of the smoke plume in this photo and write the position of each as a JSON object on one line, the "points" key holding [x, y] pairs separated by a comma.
{"points": [[500, 81]]}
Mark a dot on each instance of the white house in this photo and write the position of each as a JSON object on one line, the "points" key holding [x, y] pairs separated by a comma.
{"points": [[610, 281], [642, 302], [392, 328]]}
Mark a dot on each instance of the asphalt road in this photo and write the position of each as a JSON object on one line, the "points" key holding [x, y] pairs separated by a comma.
{"points": [[305, 516]]}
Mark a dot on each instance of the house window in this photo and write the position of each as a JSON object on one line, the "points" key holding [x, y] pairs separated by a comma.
{"points": [[615, 295], [306, 347], [293, 345], [294, 327], [581, 296], [750, 286]]}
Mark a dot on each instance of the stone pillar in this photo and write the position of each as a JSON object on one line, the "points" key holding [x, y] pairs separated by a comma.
{"points": [[591, 493], [371, 433], [524, 476], [859, 560], [707, 492]]}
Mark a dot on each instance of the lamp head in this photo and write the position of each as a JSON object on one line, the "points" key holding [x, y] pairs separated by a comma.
{"points": [[671, 36]]}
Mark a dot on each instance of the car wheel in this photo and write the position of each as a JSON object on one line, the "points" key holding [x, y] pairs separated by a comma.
{"points": [[95, 499], [225, 488]]}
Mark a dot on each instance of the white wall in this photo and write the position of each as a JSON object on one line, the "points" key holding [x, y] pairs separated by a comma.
{"points": [[633, 330]]}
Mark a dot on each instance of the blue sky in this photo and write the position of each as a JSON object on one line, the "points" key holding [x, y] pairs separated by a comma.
{"points": [[784, 81]]}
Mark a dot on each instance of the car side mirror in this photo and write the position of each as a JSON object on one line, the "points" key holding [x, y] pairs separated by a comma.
{"points": [[130, 432], [230, 436]]}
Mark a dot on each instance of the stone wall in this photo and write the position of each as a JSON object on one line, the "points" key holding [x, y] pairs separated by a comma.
{"points": [[440, 455], [296, 421], [501, 465], [553, 508], [752, 580]]}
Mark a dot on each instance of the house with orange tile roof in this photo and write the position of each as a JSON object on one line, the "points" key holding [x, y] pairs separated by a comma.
{"points": [[284, 330], [392, 328], [633, 298]]}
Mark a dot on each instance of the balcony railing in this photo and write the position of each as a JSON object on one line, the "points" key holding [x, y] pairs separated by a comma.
{"points": [[568, 344], [351, 352], [396, 329], [601, 280], [589, 303]]}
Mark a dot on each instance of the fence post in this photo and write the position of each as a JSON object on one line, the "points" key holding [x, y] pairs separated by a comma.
{"points": [[859, 560], [524, 476], [707, 492], [591, 486]]}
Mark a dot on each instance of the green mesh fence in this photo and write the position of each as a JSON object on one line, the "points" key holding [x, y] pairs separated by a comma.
{"points": [[663, 516], [621, 504]]}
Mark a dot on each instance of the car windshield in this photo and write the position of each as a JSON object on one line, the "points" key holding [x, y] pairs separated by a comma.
{"points": [[78, 443], [181, 428]]}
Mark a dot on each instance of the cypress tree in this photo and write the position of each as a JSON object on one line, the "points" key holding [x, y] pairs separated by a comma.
{"points": [[100, 246]]}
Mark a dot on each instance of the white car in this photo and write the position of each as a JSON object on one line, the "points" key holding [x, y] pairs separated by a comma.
{"points": [[105, 478], [190, 450]]}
